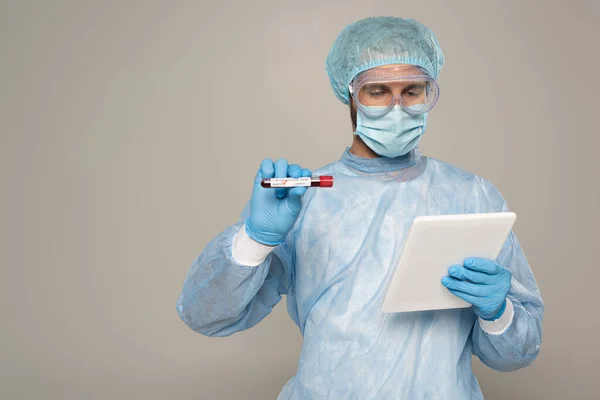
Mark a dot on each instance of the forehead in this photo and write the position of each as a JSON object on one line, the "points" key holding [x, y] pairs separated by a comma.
{"points": [[393, 84], [395, 69], [390, 73], [393, 66]]}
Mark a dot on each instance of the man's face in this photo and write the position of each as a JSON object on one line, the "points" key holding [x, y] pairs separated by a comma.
{"points": [[382, 92]]}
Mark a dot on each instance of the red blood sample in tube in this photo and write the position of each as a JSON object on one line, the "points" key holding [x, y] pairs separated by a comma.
{"points": [[324, 181]]}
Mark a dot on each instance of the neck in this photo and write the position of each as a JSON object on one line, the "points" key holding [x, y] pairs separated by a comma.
{"points": [[360, 149]]}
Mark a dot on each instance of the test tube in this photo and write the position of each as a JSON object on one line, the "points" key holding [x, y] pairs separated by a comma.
{"points": [[324, 181]]}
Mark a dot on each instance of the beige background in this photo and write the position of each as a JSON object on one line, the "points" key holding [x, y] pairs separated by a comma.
{"points": [[130, 134]]}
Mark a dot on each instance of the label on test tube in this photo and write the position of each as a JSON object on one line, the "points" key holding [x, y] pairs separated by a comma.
{"points": [[289, 182]]}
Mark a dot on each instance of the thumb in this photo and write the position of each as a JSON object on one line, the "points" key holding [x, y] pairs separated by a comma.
{"points": [[294, 200], [259, 192], [258, 178]]}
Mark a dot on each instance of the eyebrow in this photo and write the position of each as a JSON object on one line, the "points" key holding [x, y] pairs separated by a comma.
{"points": [[419, 85], [371, 86], [414, 85]]}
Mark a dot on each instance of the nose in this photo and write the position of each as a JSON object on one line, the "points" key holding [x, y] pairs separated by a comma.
{"points": [[397, 101]]}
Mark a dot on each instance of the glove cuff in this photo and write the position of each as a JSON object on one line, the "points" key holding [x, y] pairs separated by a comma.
{"points": [[498, 314], [501, 325]]}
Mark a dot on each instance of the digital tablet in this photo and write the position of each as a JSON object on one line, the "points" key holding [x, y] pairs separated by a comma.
{"points": [[434, 244]]}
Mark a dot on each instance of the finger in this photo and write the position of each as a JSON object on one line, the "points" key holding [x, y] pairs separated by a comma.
{"points": [[267, 169], [294, 199], [294, 170], [306, 172], [482, 265], [297, 192], [465, 274], [466, 297], [472, 289], [281, 170]]}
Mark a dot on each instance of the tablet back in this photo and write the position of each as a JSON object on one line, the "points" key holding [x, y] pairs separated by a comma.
{"points": [[433, 245]]}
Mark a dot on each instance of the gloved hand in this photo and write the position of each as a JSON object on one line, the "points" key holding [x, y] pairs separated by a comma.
{"points": [[482, 283], [274, 211]]}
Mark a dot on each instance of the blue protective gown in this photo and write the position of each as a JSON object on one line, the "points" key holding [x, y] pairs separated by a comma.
{"points": [[334, 267]]}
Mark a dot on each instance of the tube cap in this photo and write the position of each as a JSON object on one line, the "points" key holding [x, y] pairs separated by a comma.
{"points": [[326, 180]]}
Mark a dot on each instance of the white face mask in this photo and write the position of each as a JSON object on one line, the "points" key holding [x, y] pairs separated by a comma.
{"points": [[393, 134]]}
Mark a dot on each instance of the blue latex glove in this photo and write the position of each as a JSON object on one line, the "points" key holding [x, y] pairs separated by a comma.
{"points": [[482, 283], [274, 211]]}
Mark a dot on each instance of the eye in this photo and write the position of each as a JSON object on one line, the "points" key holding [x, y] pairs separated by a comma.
{"points": [[414, 91], [377, 93]]}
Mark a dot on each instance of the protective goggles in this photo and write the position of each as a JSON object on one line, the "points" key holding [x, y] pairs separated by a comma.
{"points": [[376, 91]]}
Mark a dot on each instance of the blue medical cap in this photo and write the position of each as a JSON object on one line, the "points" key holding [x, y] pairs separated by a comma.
{"points": [[376, 41]]}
